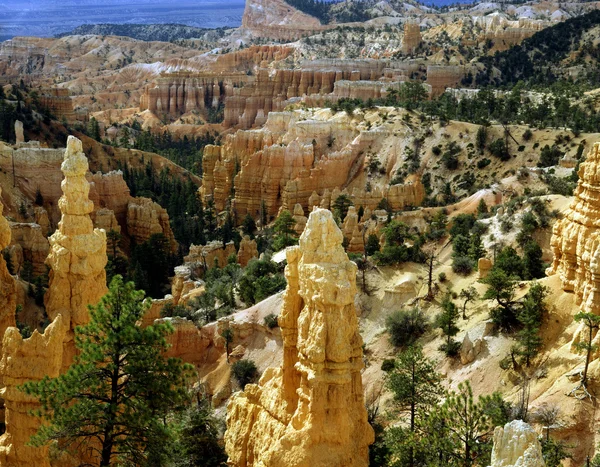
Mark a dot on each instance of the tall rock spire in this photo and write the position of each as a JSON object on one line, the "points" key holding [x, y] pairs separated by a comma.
{"points": [[8, 288], [77, 251], [310, 412]]}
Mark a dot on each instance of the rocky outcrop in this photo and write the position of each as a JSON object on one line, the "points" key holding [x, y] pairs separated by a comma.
{"points": [[8, 288], [58, 102], [576, 238], [310, 411], [77, 251], [296, 158], [28, 244], [25, 360], [412, 38], [19, 137], [440, 77], [299, 218], [277, 19], [205, 257], [516, 445], [248, 250], [146, 218]]}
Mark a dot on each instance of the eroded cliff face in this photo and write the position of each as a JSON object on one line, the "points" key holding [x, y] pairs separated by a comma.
{"points": [[516, 444], [576, 238], [77, 251], [278, 20], [25, 360], [309, 412], [8, 288], [295, 158]]}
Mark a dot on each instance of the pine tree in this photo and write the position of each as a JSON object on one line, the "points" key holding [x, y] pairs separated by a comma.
{"points": [[591, 324], [501, 287], [467, 426], [249, 226], [285, 232], [469, 294], [416, 387], [114, 398], [446, 321], [341, 205], [529, 341]]}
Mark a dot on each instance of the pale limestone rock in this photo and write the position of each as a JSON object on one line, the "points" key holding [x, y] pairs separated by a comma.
{"points": [[77, 251], [20, 138], [42, 219], [516, 445], [310, 412], [26, 360], [248, 250], [469, 350]]}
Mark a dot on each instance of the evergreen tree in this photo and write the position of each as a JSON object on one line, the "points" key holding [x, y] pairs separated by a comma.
{"points": [[533, 266], [469, 294], [114, 398], [284, 228], [446, 321], [372, 245], [467, 427], [341, 205], [416, 388], [249, 226], [501, 287], [529, 341], [586, 344], [94, 129]]}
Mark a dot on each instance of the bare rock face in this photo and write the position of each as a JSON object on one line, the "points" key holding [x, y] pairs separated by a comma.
{"points": [[8, 288], [145, 218], [278, 20], [576, 238], [209, 255], [248, 250], [412, 38], [28, 243], [310, 412], [26, 360], [516, 445], [77, 251], [19, 132]]}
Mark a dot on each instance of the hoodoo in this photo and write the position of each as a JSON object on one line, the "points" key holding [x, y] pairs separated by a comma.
{"points": [[78, 251], [310, 412]]}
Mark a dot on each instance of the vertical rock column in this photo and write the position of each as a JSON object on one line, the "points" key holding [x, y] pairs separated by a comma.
{"points": [[8, 288], [26, 360], [77, 251], [310, 412]]}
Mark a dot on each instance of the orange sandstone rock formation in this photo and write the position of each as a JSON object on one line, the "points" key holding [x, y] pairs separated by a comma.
{"points": [[412, 38], [310, 412], [77, 251], [8, 288], [26, 360], [248, 250], [576, 238]]}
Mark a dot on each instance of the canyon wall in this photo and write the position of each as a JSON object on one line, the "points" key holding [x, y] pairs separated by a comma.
{"points": [[8, 287], [310, 411], [293, 158], [576, 238], [277, 19]]}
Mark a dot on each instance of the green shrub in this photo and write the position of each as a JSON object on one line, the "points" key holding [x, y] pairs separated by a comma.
{"points": [[406, 326], [442, 277], [463, 265], [245, 372], [388, 365], [270, 321]]}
